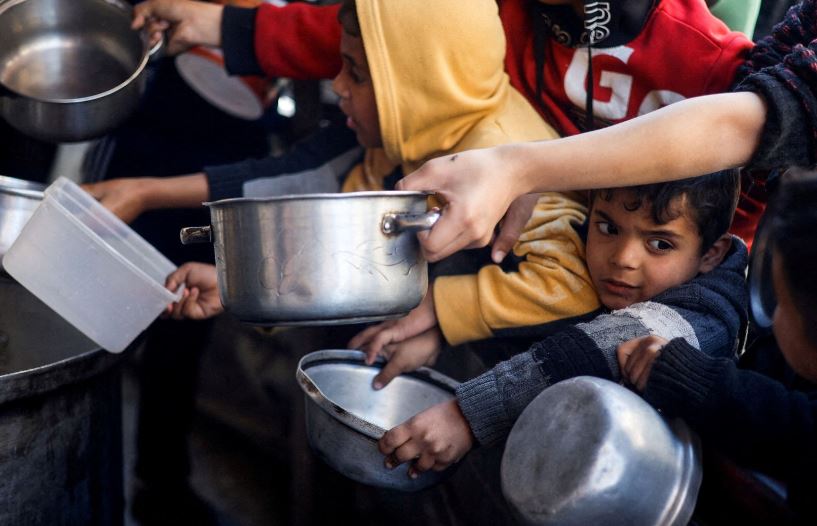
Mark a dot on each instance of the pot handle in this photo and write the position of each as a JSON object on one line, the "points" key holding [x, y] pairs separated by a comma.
{"points": [[397, 223], [196, 234]]}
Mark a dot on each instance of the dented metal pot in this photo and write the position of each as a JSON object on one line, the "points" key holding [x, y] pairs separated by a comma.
{"points": [[318, 259], [345, 417]]}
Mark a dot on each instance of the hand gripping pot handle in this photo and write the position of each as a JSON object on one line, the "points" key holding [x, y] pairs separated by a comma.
{"points": [[397, 223], [196, 234]]}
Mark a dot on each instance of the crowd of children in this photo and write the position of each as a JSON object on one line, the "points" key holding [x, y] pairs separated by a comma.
{"points": [[646, 287]]}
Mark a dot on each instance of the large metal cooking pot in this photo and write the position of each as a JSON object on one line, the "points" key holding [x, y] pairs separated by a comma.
{"points": [[60, 420], [589, 451], [69, 70], [318, 259], [18, 200], [345, 417]]}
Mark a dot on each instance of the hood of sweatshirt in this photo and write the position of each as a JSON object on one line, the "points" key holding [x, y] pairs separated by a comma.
{"points": [[439, 80]]}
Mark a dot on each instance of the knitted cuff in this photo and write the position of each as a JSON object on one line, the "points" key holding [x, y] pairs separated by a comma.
{"points": [[481, 403], [238, 41], [682, 377]]}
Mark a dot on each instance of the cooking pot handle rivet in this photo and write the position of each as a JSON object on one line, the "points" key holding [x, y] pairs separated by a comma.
{"points": [[396, 223], [195, 234]]}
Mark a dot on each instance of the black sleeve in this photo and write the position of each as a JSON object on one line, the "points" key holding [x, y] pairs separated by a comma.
{"points": [[226, 181], [752, 418], [238, 41]]}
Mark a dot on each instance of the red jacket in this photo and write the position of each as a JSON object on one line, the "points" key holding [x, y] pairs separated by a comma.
{"points": [[682, 51]]}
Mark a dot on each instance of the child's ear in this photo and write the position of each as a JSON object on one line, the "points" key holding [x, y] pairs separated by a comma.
{"points": [[713, 257]]}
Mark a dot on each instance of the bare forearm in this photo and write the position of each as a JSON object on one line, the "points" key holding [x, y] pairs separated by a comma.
{"points": [[184, 191], [686, 139]]}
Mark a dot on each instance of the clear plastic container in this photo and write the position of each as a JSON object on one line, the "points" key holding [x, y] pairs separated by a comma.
{"points": [[90, 267]]}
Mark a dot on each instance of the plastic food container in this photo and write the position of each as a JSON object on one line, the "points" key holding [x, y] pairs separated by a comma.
{"points": [[90, 267]]}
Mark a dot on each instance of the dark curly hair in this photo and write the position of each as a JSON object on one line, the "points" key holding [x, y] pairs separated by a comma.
{"points": [[711, 200], [347, 16]]}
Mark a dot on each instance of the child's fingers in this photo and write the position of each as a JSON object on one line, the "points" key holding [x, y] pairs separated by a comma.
{"points": [[393, 438], [623, 353], [192, 309], [638, 361], [408, 451], [399, 363], [362, 338], [422, 464]]}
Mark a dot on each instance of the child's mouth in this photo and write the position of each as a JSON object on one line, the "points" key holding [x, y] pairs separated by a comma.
{"points": [[618, 288]]}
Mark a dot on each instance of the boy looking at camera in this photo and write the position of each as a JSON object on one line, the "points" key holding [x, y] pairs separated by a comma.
{"points": [[663, 264]]}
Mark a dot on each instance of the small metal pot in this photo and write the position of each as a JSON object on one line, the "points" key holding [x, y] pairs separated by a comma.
{"points": [[18, 200], [69, 70], [589, 451], [345, 417], [318, 259]]}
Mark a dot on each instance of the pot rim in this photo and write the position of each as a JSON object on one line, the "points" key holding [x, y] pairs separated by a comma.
{"points": [[340, 413], [21, 188], [146, 53], [313, 197]]}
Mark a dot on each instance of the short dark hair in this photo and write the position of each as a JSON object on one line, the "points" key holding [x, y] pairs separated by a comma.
{"points": [[347, 16], [710, 199], [792, 214]]}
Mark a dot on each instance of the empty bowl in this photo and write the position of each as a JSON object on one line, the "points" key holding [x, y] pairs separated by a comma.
{"points": [[345, 417]]}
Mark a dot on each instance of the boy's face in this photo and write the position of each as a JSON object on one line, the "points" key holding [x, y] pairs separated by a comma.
{"points": [[789, 327], [356, 91], [633, 259]]}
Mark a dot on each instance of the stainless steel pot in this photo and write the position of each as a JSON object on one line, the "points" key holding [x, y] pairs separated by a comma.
{"points": [[69, 70], [589, 451], [18, 200], [318, 258], [345, 417]]}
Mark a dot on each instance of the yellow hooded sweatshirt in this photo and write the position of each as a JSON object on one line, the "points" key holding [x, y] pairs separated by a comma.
{"points": [[439, 81]]}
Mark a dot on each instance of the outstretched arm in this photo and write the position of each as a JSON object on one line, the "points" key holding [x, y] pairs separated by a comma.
{"points": [[689, 138]]}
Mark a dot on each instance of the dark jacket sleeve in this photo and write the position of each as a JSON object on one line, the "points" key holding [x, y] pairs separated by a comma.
{"points": [[752, 418], [781, 68], [226, 181]]}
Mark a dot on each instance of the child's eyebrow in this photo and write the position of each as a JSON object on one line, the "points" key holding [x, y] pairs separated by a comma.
{"points": [[661, 233], [603, 215], [349, 59]]}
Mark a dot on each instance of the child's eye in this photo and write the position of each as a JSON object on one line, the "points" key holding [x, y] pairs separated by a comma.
{"points": [[661, 245], [606, 228]]}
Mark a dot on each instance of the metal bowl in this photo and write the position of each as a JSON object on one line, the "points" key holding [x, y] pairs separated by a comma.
{"points": [[345, 417], [588, 451], [69, 70]]}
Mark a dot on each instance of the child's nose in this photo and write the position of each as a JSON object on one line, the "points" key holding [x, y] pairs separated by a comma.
{"points": [[339, 87], [626, 255]]}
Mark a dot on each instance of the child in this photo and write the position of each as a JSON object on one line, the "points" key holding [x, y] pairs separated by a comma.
{"points": [[662, 263], [760, 421], [406, 103], [646, 53]]}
